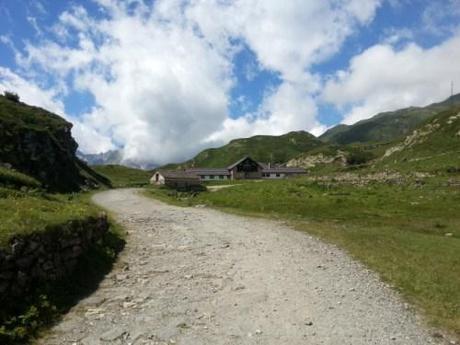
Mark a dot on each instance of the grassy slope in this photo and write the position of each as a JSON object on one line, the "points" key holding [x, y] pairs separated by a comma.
{"points": [[263, 148], [399, 231], [122, 176], [26, 212], [436, 151], [14, 179], [387, 126]]}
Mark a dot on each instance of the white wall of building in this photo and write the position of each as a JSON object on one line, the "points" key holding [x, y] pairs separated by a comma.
{"points": [[157, 178], [275, 176], [214, 177]]}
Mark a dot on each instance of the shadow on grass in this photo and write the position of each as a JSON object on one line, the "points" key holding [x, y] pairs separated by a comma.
{"points": [[22, 319]]}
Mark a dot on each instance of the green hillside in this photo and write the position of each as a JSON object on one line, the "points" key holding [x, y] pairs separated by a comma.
{"points": [[263, 148], [39, 143], [388, 126], [122, 176], [433, 147]]}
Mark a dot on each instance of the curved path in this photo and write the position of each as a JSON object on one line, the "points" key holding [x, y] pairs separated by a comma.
{"points": [[198, 276]]}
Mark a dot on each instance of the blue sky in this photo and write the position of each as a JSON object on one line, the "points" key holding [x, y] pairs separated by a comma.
{"points": [[162, 80]]}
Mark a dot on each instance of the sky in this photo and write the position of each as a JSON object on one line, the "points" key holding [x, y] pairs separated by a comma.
{"points": [[161, 80]]}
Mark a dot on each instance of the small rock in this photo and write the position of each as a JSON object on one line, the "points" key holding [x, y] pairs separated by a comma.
{"points": [[126, 305], [258, 332], [121, 277], [113, 334], [309, 323], [437, 335], [182, 325], [449, 234], [93, 311]]}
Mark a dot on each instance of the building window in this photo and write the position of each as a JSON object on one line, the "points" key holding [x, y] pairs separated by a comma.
{"points": [[211, 177], [203, 177], [221, 177], [278, 175]]}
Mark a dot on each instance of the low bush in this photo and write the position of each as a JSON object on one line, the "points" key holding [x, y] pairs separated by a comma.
{"points": [[11, 96], [359, 157]]}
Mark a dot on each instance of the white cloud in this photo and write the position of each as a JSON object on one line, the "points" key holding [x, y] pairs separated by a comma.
{"points": [[33, 94], [441, 17], [162, 76], [383, 78], [287, 37], [287, 108], [395, 36], [29, 92]]}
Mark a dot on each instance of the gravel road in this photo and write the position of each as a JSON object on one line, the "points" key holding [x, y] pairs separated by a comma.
{"points": [[199, 276]]}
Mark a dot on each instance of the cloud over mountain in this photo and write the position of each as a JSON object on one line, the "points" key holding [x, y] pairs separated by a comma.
{"points": [[158, 78], [383, 78]]}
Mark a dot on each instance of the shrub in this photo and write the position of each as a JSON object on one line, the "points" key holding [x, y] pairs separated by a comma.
{"points": [[359, 157], [11, 96], [453, 170]]}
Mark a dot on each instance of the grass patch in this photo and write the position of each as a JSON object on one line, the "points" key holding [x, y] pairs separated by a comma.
{"points": [[397, 230], [122, 176], [14, 179], [29, 212]]}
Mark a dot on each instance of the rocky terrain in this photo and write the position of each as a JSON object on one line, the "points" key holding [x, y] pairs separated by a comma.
{"points": [[39, 143], [47, 256], [199, 276], [308, 161]]}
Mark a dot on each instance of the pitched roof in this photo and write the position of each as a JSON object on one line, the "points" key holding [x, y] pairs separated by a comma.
{"points": [[230, 167], [178, 174], [285, 170], [208, 171]]}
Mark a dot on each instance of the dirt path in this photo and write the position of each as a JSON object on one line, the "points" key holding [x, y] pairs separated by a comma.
{"points": [[199, 276]]}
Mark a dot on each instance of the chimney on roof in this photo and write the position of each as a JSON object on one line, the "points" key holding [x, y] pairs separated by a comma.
{"points": [[269, 165]]}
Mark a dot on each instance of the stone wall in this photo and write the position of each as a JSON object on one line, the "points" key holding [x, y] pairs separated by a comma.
{"points": [[46, 256]]}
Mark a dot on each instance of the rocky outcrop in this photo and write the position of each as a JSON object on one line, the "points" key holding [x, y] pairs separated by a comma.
{"points": [[40, 144], [418, 136], [43, 257], [358, 180], [310, 161]]}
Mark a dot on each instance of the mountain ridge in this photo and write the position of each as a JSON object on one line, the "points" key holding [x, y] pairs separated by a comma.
{"points": [[386, 126], [264, 148]]}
